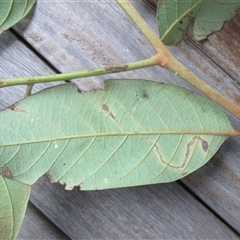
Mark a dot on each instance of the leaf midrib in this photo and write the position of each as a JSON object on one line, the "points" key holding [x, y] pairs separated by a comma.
{"points": [[162, 132]]}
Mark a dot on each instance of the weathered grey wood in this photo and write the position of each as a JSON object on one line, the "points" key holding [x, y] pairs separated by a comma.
{"points": [[125, 213], [86, 35], [12, 53], [196, 61], [224, 47], [217, 182], [163, 211], [36, 226], [84, 44], [79, 37]]}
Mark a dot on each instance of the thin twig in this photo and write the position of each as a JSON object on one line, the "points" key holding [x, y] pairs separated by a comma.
{"points": [[80, 74], [28, 90]]}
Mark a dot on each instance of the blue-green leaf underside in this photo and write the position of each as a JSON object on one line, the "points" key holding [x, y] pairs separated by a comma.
{"points": [[208, 15], [134, 132], [13, 202], [12, 11]]}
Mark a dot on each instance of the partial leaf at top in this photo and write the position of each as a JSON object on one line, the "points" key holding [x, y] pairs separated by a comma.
{"points": [[134, 132], [12, 11], [208, 16]]}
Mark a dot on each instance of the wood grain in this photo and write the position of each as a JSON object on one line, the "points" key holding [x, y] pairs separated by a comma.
{"points": [[80, 35], [36, 226], [224, 47], [163, 211]]}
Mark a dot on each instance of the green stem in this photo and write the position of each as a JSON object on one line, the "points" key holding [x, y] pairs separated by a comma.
{"points": [[80, 74], [167, 60], [28, 90]]}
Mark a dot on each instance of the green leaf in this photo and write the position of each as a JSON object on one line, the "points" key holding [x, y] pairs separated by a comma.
{"points": [[5, 8], [13, 202], [208, 16], [12, 11], [134, 132]]}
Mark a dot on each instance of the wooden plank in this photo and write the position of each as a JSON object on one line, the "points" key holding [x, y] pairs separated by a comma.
{"points": [[67, 55], [217, 182], [224, 47], [77, 40], [100, 40], [196, 61], [218, 179], [35, 225], [124, 213], [163, 211], [89, 40], [12, 65]]}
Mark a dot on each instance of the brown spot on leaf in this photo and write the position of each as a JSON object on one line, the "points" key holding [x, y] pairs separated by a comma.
{"points": [[105, 107], [7, 172], [145, 94], [168, 164], [15, 108], [204, 144]]}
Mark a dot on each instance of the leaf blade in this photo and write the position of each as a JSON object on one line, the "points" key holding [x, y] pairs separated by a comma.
{"points": [[13, 13], [5, 7], [174, 18], [212, 15], [116, 135], [13, 203]]}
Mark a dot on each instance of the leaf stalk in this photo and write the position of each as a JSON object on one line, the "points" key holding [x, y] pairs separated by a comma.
{"points": [[152, 61], [28, 90]]}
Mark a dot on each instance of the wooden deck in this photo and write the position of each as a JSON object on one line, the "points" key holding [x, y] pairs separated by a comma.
{"points": [[59, 36]]}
